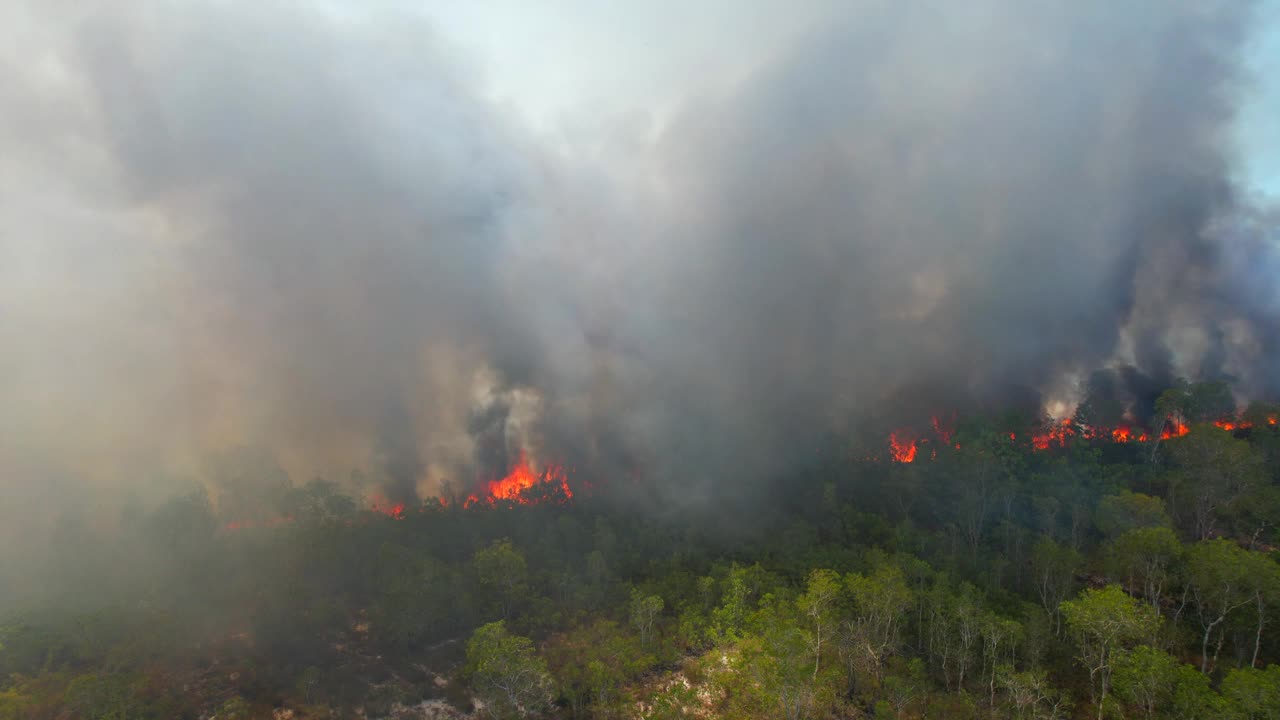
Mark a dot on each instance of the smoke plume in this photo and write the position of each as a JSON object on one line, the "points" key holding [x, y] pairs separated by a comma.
{"points": [[254, 224]]}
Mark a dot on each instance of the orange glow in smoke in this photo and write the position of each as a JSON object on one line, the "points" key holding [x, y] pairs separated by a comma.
{"points": [[521, 479], [902, 446], [396, 511]]}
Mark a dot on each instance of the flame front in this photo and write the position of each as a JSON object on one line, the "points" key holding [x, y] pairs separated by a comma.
{"points": [[904, 442], [522, 478], [902, 445]]}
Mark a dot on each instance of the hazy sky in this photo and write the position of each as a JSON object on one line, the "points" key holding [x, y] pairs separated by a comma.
{"points": [[1260, 121], [561, 59], [570, 65]]}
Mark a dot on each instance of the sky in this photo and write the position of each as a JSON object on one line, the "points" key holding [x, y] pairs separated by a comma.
{"points": [[572, 65], [559, 60], [1259, 127]]}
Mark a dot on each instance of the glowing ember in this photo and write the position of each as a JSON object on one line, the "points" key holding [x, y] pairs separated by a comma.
{"points": [[522, 478], [902, 446], [395, 511], [944, 431]]}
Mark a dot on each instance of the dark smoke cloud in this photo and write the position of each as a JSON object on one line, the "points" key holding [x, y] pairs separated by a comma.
{"points": [[302, 230]]}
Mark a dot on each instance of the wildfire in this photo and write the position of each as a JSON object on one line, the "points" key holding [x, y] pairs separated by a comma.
{"points": [[1056, 435], [522, 478], [1173, 429], [902, 446], [1121, 434], [395, 512], [944, 430], [1232, 425], [904, 443]]}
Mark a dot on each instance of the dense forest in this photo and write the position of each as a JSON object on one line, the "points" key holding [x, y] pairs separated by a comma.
{"points": [[997, 575]]}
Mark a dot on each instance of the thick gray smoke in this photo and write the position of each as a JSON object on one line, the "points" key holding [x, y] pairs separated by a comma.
{"points": [[254, 224], [993, 198]]}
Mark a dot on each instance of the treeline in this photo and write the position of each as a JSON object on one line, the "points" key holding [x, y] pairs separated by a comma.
{"points": [[988, 579]]}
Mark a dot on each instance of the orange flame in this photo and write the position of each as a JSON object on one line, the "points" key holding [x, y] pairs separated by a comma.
{"points": [[1056, 435], [1173, 429], [903, 442], [522, 477], [902, 446]]}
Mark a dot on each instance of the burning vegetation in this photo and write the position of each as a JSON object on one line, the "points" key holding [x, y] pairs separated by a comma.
{"points": [[905, 444], [525, 485]]}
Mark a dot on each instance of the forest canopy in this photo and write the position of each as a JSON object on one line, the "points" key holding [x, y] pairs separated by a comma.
{"points": [[1093, 576]]}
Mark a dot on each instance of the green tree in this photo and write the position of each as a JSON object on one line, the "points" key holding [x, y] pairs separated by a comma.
{"points": [[1000, 637], [591, 663], [1193, 699], [1219, 581], [817, 605], [644, 611], [1162, 687], [881, 602], [502, 567], [1117, 514], [1264, 585], [954, 634], [506, 673], [1253, 694], [1215, 470], [1145, 559], [903, 689], [1031, 695], [1103, 622], [728, 619], [774, 661], [1054, 567], [1145, 677]]}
